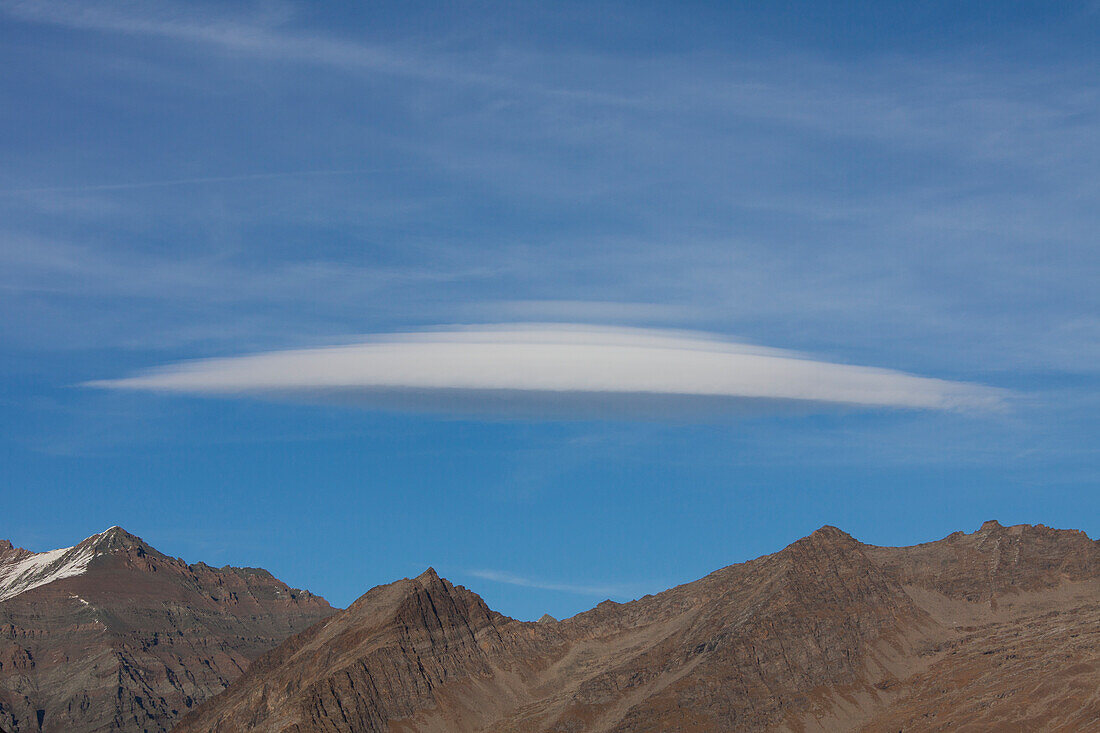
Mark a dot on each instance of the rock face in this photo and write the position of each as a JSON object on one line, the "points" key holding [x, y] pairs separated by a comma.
{"points": [[111, 635], [993, 630]]}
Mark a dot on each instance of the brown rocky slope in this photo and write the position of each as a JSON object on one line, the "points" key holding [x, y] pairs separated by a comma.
{"points": [[994, 630], [111, 635]]}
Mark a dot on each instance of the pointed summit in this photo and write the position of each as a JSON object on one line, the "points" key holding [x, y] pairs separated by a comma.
{"points": [[428, 576], [828, 531], [827, 536], [116, 539]]}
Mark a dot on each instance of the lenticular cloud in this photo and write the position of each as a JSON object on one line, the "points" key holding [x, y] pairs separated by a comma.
{"points": [[558, 370]]}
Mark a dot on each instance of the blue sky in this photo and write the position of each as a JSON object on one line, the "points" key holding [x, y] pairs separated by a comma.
{"points": [[909, 188]]}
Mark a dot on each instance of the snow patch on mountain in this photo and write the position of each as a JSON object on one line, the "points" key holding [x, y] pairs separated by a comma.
{"points": [[24, 571]]}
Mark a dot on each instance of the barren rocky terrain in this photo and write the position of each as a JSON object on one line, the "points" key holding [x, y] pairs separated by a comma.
{"points": [[994, 630]]}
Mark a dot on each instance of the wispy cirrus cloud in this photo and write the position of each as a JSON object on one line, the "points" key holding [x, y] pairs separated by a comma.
{"points": [[198, 180], [258, 35], [922, 102], [654, 154], [559, 370], [601, 591]]}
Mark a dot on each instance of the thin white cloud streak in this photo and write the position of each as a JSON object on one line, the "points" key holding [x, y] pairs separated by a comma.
{"points": [[257, 37], [602, 591], [559, 369], [35, 264], [137, 185], [938, 97]]}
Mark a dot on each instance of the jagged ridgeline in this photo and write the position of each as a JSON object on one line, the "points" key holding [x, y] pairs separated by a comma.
{"points": [[976, 631], [995, 629]]}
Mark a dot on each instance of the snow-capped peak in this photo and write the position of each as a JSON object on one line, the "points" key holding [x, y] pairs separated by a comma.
{"points": [[21, 570]]}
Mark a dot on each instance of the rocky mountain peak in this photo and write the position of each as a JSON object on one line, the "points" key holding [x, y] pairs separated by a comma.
{"points": [[827, 540], [829, 533], [116, 539], [22, 570], [428, 577], [112, 634]]}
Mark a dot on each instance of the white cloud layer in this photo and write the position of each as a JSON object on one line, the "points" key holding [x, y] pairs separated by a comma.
{"points": [[561, 369]]}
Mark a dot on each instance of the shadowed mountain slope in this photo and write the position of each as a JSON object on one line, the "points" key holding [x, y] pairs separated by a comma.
{"points": [[112, 635], [978, 630]]}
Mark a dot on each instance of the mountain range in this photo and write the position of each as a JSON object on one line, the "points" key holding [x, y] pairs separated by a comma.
{"points": [[998, 629]]}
